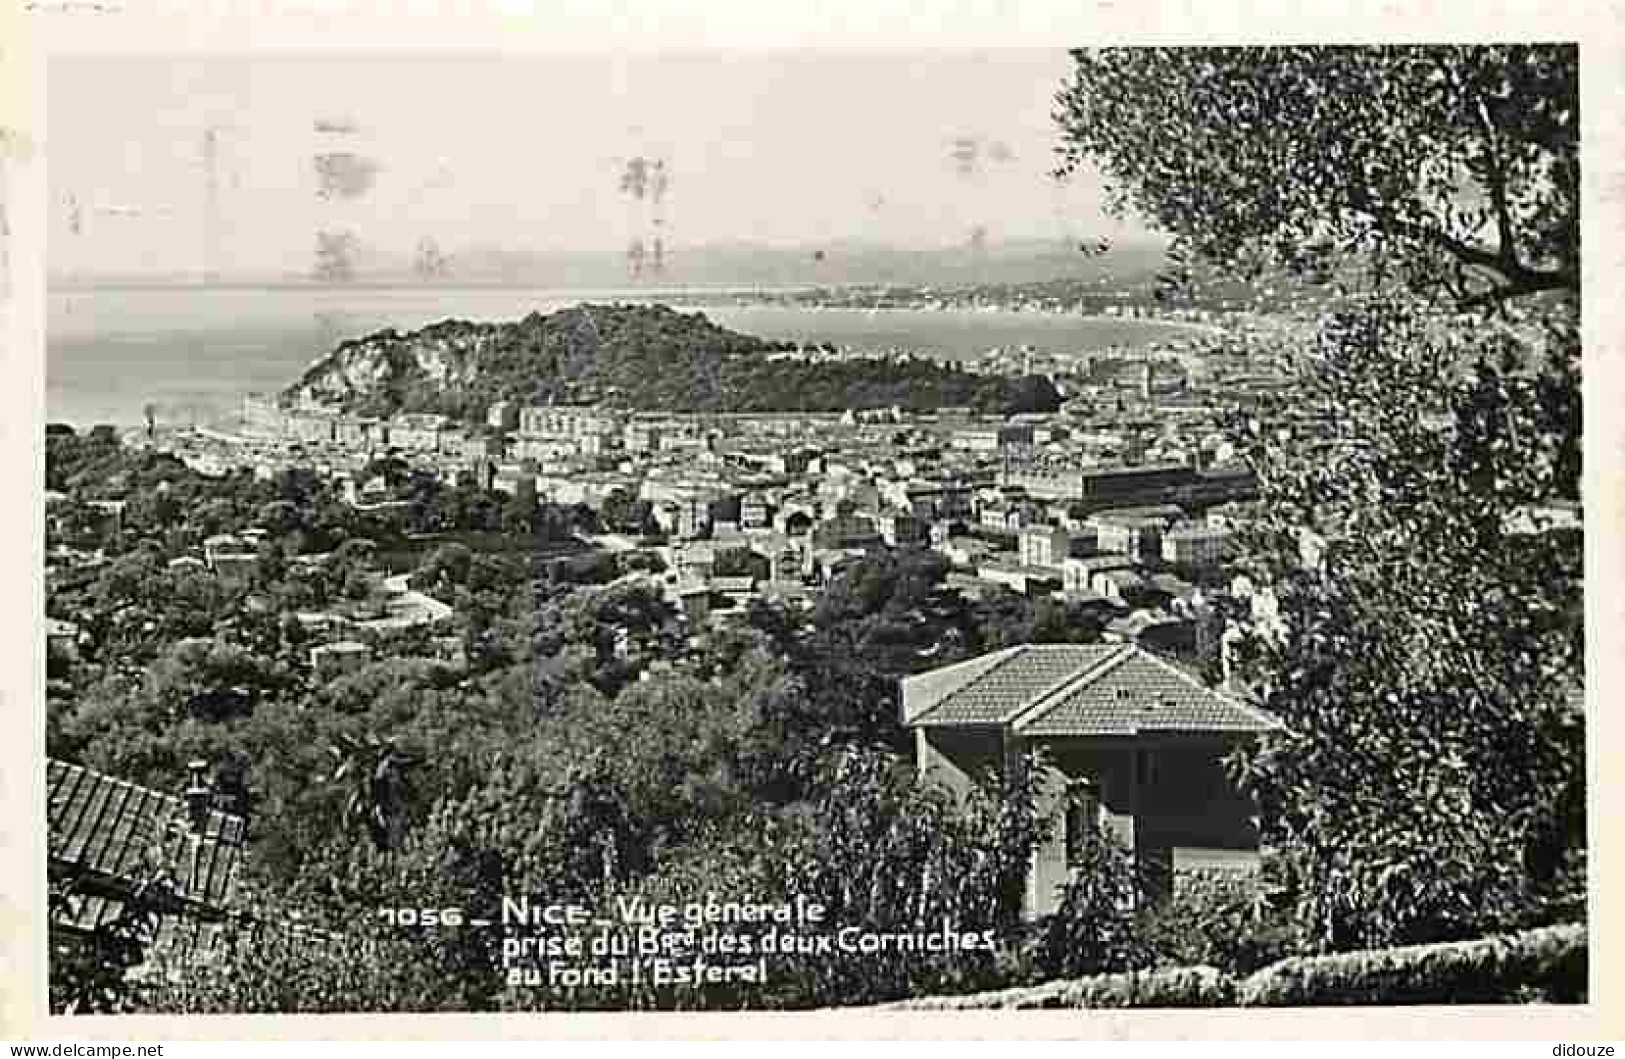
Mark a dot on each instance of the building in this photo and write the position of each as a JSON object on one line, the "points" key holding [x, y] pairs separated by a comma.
{"points": [[230, 558], [1134, 745], [600, 443], [989, 439], [641, 438], [566, 422], [693, 562], [358, 434], [1120, 586], [844, 531], [784, 558], [112, 844], [967, 552], [936, 500], [901, 528], [693, 600], [416, 431], [755, 511], [330, 660], [1195, 545], [693, 517], [61, 640], [1023, 580], [450, 440], [1104, 487], [311, 426], [1129, 533], [502, 416], [1044, 546]]}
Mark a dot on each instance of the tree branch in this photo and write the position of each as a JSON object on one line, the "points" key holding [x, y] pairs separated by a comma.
{"points": [[1526, 282], [1517, 279], [1495, 177]]}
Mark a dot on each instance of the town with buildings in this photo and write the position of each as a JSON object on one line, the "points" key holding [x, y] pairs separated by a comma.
{"points": [[1125, 500]]}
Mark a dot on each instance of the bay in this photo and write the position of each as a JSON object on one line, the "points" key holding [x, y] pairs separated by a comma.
{"points": [[192, 353]]}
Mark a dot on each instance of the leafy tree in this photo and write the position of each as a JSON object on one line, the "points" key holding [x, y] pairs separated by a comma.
{"points": [[1031, 393], [90, 972], [443, 568], [1094, 930], [375, 770], [1216, 919], [624, 512], [1429, 783], [650, 357], [1458, 165]]}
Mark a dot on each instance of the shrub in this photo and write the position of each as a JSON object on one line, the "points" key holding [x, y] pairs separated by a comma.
{"points": [[1547, 964], [1094, 929], [1176, 987], [1216, 918]]}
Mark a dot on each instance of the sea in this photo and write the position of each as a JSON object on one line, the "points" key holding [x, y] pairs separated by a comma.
{"points": [[191, 354]]}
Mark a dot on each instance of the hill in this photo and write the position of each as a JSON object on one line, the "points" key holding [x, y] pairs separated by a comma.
{"points": [[636, 357]]}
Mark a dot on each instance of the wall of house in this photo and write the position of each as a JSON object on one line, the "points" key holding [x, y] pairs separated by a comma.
{"points": [[1190, 802], [1175, 808], [956, 757], [1110, 763], [1186, 813]]}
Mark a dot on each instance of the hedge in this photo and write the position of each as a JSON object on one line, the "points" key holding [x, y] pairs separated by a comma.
{"points": [[1173, 987], [1547, 964]]}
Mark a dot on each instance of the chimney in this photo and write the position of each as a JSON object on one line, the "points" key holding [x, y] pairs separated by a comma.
{"points": [[198, 794]]}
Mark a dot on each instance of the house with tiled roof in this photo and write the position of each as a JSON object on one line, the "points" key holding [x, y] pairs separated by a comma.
{"points": [[136, 867], [1130, 741]]}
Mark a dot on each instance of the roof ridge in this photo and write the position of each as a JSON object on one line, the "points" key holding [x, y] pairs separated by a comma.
{"points": [[1010, 652], [1013, 717], [1047, 701]]}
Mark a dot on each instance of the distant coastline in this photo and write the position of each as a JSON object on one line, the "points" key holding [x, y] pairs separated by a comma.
{"points": [[195, 359]]}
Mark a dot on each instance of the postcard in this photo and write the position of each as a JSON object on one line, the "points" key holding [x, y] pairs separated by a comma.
{"points": [[1051, 521]]}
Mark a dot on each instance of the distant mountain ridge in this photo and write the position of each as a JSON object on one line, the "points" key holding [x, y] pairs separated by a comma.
{"points": [[731, 265]]}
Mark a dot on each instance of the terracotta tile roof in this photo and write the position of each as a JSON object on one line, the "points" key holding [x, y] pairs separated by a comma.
{"points": [[1066, 689], [923, 691], [1139, 692], [193, 938], [1013, 680], [109, 836]]}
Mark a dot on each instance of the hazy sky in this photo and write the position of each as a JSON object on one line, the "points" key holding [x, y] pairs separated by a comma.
{"points": [[527, 152]]}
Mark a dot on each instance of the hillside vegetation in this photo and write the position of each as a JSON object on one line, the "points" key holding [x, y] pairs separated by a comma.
{"points": [[639, 357]]}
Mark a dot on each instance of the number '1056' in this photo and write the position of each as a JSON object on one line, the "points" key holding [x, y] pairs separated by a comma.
{"points": [[422, 917]]}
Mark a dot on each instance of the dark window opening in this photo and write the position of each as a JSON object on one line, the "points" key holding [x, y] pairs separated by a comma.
{"points": [[1145, 768]]}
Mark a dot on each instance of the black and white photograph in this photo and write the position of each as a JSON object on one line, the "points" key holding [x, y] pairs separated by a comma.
{"points": [[764, 529]]}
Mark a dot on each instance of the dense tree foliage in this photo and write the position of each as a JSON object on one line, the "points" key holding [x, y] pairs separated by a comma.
{"points": [[1427, 654], [1458, 165], [649, 358], [1431, 783], [592, 746]]}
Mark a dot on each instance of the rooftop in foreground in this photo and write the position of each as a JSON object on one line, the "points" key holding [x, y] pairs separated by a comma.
{"points": [[1076, 690]]}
